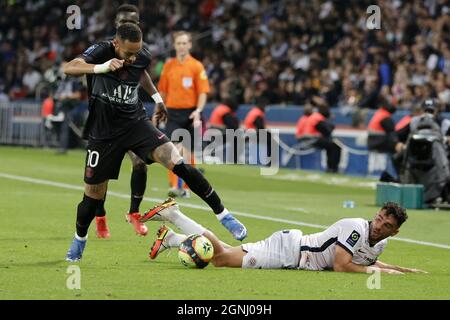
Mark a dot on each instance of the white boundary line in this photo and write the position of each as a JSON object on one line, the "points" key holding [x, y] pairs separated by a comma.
{"points": [[200, 207]]}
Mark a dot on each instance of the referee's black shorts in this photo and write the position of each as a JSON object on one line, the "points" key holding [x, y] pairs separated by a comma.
{"points": [[179, 119], [104, 158]]}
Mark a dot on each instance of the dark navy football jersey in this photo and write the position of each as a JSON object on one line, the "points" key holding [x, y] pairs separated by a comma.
{"points": [[114, 105]]}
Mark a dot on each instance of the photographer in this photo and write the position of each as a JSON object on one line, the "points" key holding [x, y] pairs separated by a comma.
{"points": [[425, 154]]}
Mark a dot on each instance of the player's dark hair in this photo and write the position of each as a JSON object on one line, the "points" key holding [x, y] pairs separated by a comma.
{"points": [[127, 8], [129, 31], [393, 209]]}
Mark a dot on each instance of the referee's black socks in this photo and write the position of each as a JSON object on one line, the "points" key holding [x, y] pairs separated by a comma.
{"points": [[85, 214], [199, 185]]}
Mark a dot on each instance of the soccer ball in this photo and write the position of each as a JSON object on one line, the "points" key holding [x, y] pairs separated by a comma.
{"points": [[195, 251]]}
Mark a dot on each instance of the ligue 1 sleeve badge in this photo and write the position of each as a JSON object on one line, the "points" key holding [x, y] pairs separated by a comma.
{"points": [[353, 238]]}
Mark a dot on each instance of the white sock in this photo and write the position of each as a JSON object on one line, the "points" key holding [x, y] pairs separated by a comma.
{"points": [[174, 239], [221, 215], [185, 224], [81, 238]]}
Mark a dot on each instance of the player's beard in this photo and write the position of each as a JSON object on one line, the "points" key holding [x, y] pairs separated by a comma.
{"points": [[373, 236]]}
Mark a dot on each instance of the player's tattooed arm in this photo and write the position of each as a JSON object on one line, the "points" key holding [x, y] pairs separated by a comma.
{"points": [[160, 111], [79, 67]]}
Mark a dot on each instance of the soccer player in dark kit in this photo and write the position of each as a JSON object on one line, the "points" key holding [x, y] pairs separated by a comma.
{"points": [[118, 122], [130, 13]]}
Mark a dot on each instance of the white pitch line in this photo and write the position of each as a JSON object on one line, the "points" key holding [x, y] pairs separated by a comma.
{"points": [[205, 208]]}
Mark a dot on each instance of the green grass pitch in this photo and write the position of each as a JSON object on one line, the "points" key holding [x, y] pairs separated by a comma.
{"points": [[37, 219]]}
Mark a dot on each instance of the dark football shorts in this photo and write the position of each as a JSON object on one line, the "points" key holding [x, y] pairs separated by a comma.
{"points": [[179, 119], [104, 158]]}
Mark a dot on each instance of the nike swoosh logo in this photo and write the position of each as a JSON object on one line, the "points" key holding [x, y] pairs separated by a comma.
{"points": [[161, 136]]}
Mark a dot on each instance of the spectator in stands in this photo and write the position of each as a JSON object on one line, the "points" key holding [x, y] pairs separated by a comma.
{"points": [[3, 96], [30, 80], [317, 132]]}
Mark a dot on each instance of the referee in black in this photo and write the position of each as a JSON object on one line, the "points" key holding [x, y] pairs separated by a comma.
{"points": [[118, 122]]}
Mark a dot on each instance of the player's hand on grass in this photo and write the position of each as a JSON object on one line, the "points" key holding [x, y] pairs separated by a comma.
{"points": [[110, 65], [391, 271], [160, 114], [412, 270]]}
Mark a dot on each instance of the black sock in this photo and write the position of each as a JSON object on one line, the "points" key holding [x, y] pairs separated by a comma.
{"points": [[138, 184], [199, 185], [85, 214], [101, 212]]}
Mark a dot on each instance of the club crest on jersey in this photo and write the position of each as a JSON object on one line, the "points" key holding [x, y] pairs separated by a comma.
{"points": [[353, 238]]}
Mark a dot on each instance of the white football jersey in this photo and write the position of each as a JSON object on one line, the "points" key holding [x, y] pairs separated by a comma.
{"points": [[318, 249]]}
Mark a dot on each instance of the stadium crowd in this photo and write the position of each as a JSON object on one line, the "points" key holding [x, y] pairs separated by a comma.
{"points": [[290, 51]]}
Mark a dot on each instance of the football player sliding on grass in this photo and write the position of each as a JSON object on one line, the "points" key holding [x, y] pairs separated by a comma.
{"points": [[349, 245]]}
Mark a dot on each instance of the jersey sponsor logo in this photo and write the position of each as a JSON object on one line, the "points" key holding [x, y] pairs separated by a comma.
{"points": [[353, 238], [123, 94]]}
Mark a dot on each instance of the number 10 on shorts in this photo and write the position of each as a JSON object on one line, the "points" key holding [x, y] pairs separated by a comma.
{"points": [[92, 159]]}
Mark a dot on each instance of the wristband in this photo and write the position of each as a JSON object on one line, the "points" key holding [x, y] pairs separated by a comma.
{"points": [[157, 98], [102, 68]]}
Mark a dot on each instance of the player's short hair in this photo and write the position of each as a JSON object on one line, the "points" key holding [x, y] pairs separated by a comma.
{"points": [[393, 209], [127, 8], [176, 34], [127, 13], [129, 31]]}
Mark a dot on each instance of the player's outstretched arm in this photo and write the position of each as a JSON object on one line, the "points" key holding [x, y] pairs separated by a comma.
{"points": [[383, 265], [224, 254], [79, 67], [343, 263]]}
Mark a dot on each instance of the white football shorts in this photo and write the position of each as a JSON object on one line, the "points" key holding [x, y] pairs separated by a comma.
{"points": [[279, 251]]}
